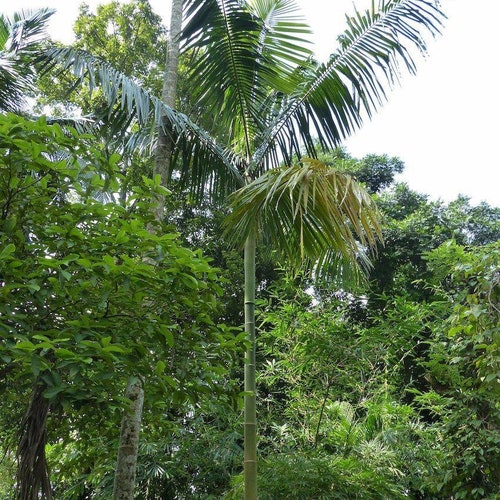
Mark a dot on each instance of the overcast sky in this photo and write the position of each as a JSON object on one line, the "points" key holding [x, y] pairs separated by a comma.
{"points": [[443, 123]]}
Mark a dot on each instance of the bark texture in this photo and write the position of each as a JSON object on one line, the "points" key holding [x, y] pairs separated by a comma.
{"points": [[164, 148], [126, 465], [32, 471]]}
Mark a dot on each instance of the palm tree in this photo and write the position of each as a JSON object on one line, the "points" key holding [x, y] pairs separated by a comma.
{"points": [[271, 100], [20, 39]]}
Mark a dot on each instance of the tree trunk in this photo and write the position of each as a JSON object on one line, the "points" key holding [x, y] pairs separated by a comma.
{"points": [[126, 465], [32, 470], [164, 147], [250, 425], [129, 437]]}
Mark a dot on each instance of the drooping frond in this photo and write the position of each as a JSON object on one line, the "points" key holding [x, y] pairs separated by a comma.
{"points": [[245, 51], [330, 103], [315, 214], [205, 161], [19, 39]]}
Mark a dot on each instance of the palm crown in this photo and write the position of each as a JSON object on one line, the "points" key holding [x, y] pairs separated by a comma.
{"points": [[270, 99], [256, 73]]}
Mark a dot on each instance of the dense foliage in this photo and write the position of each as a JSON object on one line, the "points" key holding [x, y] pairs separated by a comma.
{"points": [[91, 295], [390, 389]]}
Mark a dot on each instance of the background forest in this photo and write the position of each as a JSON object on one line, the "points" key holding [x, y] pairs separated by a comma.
{"points": [[122, 282]]}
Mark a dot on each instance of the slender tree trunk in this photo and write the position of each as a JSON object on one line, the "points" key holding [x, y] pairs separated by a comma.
{"points": [[162, 166], [32, 471], [322, 411], [128, 450], [250, 425], [124, 484]]}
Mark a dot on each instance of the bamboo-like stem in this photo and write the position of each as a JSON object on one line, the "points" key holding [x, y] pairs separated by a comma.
{"points": [[322, 411], [250, 424]]}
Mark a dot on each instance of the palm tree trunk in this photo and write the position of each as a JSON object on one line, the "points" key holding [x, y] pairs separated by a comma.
{"points": [[124, 484], [250, 424], [164, 147]]}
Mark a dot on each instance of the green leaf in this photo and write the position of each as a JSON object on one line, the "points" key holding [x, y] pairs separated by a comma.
{"points": [[37, 365], [33, 286], [121, 237], [64, 353], [160, 367], [105, 341], [170, 381], [115, 348], [7, 251], [25, 345], [64, 275], [52, 392], [167, 332], [85, 263]]}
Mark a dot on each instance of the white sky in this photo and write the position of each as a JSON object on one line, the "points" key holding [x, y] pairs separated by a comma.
{"points": [[443, 123]]}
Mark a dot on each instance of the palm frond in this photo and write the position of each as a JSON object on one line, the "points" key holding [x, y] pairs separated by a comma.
{"points": [[29, 28], [317, 216], [245, 49], [128, 102], [12, 85], [334, 97], [82, 124], [231, 67], [282, 42], [19, 39], [4, 32]]}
